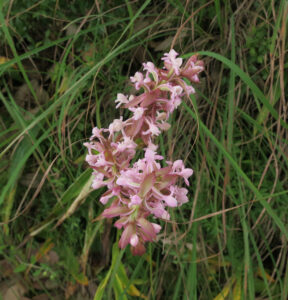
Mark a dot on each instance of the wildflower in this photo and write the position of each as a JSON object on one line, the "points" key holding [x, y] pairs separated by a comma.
{"points": [[121, 99], [138, 112], [138, 79], [171, 62], [192, 69], [139, 188], [151, 69], [153, 129]]}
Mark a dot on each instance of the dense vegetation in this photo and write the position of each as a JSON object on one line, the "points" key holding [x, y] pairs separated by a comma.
{"points": [[62, 64]]}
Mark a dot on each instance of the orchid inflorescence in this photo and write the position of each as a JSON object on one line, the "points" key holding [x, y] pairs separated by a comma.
{"points": [[138, 189]]}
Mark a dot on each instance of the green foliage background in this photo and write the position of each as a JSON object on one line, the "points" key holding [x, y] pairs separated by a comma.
{"points": [[62, 64]]}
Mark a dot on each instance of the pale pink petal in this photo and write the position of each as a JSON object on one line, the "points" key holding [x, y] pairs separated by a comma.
{"points": [[138, 79], [134, 240], [121, 99], [181, 195], [135, 200], [126, 236], [138, 250], [157, 227], [105, 198], [151, 69], [96, 132], [178, 165], [121, 222], [165, 216], [170, 61], [147, 228], [98, 181], [138, 113], [171, 201]]}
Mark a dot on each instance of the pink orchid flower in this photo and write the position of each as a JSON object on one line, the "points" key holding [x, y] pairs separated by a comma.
{"points": [[138, 189]]}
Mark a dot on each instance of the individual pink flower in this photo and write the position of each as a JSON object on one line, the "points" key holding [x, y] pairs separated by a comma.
{"points": [[192, 68], [126, 144], [179, 169], [138, 79], [153, 128], [151, 69], [121, 99], [171, 62], [98, 180], [138, 112]]}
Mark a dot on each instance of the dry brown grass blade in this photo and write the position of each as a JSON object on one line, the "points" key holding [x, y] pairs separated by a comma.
{"points": [[217, 213], [190, 17], [18, 213], [86, 190]]}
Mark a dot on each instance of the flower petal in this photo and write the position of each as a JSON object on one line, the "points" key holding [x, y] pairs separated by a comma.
{"points": [[134, 240], [147, 229], [126, 236]]}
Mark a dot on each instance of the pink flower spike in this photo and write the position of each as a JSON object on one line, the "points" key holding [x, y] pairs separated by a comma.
{"points": [[91, 159], [97, 160], [186, 173], [164, 126], [150, 159], [178, 165], [157, 209], [109, 194], [189, 89], [192, 68], [139, 188], [151, 156], [177, 90], [147, 184], [104, 199]]}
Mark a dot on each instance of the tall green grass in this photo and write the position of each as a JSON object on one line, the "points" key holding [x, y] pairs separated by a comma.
{"points": [[230, 240]]}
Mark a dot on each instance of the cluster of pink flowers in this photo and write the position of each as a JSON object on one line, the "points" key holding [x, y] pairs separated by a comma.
{"points": [[143, 188]]}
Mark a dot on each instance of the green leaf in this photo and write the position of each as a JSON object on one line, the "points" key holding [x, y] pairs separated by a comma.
{"points": [[20, 268]]}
